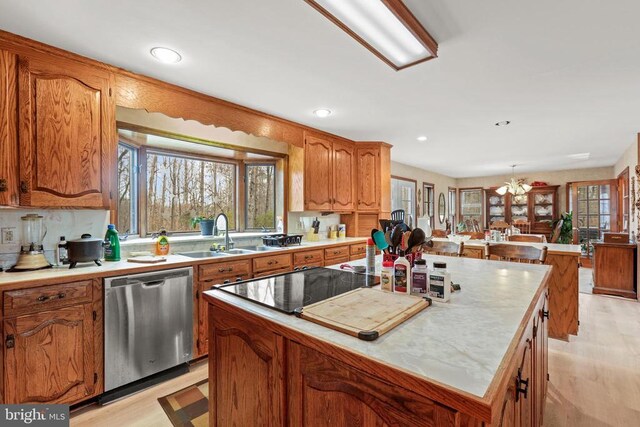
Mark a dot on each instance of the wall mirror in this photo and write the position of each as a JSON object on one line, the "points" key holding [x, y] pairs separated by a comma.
{"points": [[442, 208]]}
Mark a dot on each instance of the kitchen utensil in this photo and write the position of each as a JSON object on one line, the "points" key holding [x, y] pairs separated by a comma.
{"points": [[379, 240], [387, 237], [364, 313], [396, 238], [416, 238], [385, 225], [355, 268], [405, 240], [84, 249]]}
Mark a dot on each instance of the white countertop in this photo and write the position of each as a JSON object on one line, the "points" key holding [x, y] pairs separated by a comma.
{"points": [[556, 248], [459, 343], [123, 267]]}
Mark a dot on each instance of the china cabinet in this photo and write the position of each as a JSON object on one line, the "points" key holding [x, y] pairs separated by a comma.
{"points": [[538, 207]]}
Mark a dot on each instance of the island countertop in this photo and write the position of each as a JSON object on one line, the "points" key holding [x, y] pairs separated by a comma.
{"points": [[461, 344]]}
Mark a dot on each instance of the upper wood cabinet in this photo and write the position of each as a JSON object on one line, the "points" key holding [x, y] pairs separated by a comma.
{"points": [[373, 187], [322, 175], [66, 133], [8, 129]]}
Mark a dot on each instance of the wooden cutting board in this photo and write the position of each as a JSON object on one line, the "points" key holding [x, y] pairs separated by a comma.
{"points": [[364, 313], [150, 259]]}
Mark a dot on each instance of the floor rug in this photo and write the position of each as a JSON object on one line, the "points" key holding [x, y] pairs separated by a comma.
{"points": [[189, 406]]}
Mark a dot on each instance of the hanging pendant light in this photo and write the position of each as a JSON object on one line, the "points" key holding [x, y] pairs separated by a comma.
{"points": [[516, 187]]}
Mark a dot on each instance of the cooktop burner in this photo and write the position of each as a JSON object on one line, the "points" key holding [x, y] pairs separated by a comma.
{"points": [[288, 291]]}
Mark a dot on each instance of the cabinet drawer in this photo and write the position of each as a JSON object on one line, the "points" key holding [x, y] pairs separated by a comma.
{"points": [[268, 263], [336, 252], [308, 257], [218, 271], [359, 249], [45, 297]]}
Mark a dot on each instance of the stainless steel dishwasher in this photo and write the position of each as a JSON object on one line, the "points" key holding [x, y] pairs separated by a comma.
{"points": [[148, 324]]}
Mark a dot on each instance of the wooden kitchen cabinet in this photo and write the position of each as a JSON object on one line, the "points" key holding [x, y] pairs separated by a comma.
{"points": [[8, 129], [54, 352], [358, 251], [265, 266], [368, 190], [343, 176], [308, 259], [318, 183], [247, 371], [66, 116], [614, 269]]}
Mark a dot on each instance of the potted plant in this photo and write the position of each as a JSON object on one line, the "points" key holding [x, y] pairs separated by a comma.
{"points": [[206, 224], [566, 231]]}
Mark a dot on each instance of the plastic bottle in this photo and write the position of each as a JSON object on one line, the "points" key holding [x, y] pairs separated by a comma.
{"points": [[371, 257], [440, 282], [112, 247], [402, 275], [61, 252], [162, 244], [386, 276], [420, 278]]}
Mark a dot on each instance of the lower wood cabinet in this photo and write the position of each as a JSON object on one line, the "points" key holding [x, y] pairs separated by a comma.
{"points": [[54, 354]]}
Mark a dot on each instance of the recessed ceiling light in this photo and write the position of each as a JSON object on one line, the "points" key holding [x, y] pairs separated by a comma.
{"points": [[579, 156], [503, 123], [322, 112], [421, 138], [387, 28], [166, 55]]}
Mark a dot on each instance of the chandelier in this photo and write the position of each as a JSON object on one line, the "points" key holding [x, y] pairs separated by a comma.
{"points": [[516, 187]]}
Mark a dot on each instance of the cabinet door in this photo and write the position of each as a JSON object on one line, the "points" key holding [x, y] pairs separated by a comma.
{"points": [[246, 376], [8, 129], [49, 356], [368, 193], [525, 380], [540, 353], [66, 133], [343, 176], [318, 185], [325, 392]]}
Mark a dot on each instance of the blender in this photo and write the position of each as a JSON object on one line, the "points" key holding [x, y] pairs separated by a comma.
{"points": [[31, 252]]}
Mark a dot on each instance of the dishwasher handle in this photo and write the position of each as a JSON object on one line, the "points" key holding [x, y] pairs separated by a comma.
{"points": [[148, 280]]}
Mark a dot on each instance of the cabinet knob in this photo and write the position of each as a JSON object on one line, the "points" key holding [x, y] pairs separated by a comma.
{"points": [[10, 342], [24, 187], [3, 185]]}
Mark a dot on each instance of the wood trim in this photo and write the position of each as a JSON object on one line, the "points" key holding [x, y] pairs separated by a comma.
{"points": [[404, 15], [621, 178], [9, 128]]}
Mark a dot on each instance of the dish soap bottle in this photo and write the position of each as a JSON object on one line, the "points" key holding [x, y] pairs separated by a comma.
{"points": [[402, 274], [112, 244], [162, 244]]}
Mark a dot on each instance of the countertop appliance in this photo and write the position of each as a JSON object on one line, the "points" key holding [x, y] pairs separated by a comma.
{"points": [[84, 249], [31, 250], [288, 291], [148, 325]]}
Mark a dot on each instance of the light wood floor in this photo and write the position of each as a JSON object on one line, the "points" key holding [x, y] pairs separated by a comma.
{"points": [[595, 377]]}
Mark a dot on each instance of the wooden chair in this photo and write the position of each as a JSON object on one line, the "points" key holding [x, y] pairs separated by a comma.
{"points": [[444, 248], [535, 238], [522, 225], [515, 253], [474, 234], [438, 233], [499, 225], [556, 232]]}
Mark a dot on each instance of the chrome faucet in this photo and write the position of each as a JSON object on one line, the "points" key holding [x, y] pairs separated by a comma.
{"points": [[227, 240]]}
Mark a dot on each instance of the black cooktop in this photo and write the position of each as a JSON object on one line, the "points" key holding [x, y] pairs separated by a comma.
{"points": [[288, 291]]}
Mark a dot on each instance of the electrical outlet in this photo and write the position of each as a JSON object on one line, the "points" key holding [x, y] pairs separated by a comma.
{"points": [[8, 235]]}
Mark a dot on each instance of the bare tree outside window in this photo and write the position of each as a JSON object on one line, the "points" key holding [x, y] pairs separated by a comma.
{"points": [[180, 188], [260, 196]]}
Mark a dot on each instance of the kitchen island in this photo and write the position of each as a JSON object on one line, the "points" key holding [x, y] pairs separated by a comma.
{"points": [[480, 358]]}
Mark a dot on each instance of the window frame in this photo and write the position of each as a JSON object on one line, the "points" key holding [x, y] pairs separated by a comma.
{"points": [[429, 188], [415, 198], [453, 206], [134, 176], [245, 166]]}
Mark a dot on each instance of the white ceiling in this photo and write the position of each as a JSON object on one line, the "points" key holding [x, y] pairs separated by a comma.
{"points": [[566, 73]]}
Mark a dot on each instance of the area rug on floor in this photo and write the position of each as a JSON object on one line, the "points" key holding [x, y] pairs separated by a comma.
{"points": [[189, 406]]}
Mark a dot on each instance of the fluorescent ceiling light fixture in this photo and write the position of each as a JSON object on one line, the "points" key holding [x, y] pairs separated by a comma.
{"points": [[579, 156], [386, 27], [421, 138], [322, 112], [166, 55]]}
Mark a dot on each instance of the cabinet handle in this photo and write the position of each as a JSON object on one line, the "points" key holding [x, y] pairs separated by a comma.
{"points": [[545, 313], [522, 386], [10, 342], [43, 298], [272, 262], [24, 187], [3, 185], [222, 270], [238, 279]]}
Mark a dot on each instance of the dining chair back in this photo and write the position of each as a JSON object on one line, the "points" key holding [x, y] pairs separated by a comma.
{"points": [[474, 234], [556, 232], [523, 225], [476, 226], [444, 248], [515, 253], [536, 238], [438, 233], [397, 215], [499, 225]]}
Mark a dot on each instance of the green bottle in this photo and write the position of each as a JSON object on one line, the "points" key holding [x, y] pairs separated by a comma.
{"points": [[112, 244]]}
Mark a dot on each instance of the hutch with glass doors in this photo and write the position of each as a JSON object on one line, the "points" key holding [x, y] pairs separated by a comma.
{"points": [[538, 208]]}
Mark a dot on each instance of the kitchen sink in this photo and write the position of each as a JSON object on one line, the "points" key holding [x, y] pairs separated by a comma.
{"points": [[239, 251], [203, 254], [261, 248]]}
